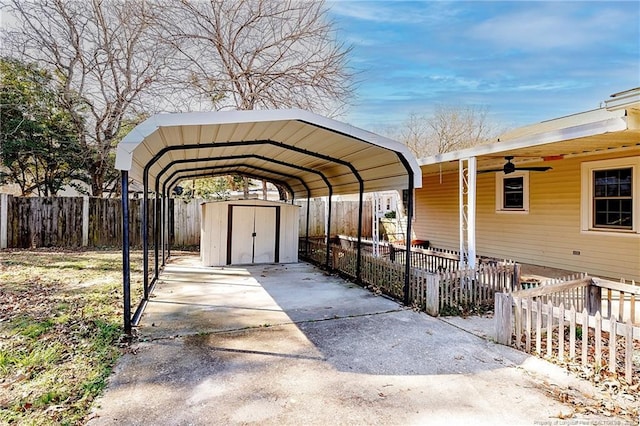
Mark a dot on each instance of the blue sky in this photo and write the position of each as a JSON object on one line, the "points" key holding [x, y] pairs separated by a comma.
{"points": [[524, 61]]}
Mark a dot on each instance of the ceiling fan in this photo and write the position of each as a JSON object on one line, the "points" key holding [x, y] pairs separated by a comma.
{"points": [[509, 167]]}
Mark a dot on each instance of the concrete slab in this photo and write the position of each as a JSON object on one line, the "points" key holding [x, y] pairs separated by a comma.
{"points": [[290, 345]]}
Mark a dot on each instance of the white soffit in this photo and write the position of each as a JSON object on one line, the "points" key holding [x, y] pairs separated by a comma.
{"points": [[296, 147]]}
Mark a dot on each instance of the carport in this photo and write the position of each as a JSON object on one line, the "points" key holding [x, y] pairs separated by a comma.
{"points": [[304, 153]]}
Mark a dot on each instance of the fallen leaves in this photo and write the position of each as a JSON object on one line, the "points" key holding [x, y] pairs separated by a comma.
{"points": [[615, 396], [59, 326]]}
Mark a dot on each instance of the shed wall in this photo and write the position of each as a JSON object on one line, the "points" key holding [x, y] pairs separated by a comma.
{"points": [[214, 230], [549, 235]]}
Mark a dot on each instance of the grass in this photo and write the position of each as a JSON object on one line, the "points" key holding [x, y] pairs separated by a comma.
{"points": [[60, 331]]}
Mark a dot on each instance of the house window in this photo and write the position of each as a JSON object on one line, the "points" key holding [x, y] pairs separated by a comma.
{"points": [[512, 192], [610, 195], [612, 198]]}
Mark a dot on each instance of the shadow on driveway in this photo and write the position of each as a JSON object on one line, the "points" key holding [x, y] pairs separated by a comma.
{"points": [[289, 344]]}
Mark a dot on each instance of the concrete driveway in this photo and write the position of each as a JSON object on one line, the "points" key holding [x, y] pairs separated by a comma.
{"points": [[290, 345]]}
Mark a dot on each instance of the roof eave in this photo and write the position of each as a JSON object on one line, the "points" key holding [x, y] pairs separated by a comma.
{"points": [[615, 123]]}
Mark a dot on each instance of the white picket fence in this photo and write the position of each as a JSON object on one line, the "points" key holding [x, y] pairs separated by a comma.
{"points": [[541, 322]]}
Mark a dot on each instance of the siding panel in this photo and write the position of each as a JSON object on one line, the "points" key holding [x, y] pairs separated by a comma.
{"points": [[548, 235]]}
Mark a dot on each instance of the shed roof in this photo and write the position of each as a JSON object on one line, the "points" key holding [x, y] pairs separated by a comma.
{"points": [[305, 151]]}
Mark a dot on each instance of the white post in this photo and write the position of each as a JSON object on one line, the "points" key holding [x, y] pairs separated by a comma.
{"points": [[85, 221], [467, 211], [4, 219], [375, 225], [327, 201], [461, 219], [471, 211]]}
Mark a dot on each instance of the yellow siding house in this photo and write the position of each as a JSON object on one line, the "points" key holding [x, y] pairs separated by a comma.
{"points": [[564, 193]]}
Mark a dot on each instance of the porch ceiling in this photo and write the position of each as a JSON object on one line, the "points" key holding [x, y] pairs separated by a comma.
{"points": [[586, 133], [305, 151]]}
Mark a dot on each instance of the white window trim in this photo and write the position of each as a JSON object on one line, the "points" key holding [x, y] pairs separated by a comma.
{"points": [[500, 176], [586, 194]]}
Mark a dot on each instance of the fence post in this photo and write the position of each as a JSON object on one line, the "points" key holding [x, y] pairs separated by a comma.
{"points": [[594, 298], [515, 284], [85, 221], [4, 220], [432, 304], [503, 314]]}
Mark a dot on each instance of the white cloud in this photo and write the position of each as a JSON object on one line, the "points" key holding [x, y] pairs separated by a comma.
{"points": [[393, 12], [547, 25]]}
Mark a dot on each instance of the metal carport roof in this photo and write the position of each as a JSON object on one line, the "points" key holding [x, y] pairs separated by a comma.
{"points": [[305, 153], [297, 147]]}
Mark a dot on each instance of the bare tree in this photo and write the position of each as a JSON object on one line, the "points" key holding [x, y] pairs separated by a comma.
{"points": [[255, 54], [415, 133], [106, 59], [448, 128], [456, 127], [114, 58]]}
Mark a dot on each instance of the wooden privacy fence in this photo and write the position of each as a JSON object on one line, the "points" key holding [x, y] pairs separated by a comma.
{"points": [[97, 222], [67, 222], [344, 217], [574, 330], [185, 222]]}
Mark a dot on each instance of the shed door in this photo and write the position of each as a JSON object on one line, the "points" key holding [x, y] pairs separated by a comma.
{"points": [[252, 235]]}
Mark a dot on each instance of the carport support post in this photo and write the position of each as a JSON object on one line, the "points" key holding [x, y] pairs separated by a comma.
{"points": [[407, 266], [126, 264], [359, 251], [156, 233], [163, 226], [145, 234], [306, 238], [329, 228], [170, 218]]}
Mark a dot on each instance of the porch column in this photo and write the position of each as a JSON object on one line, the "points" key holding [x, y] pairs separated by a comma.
{"points": [[126, 264], [467, 211]]}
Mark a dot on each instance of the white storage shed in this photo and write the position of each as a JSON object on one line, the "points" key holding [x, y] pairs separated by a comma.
{"points": [[248, 231]]}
